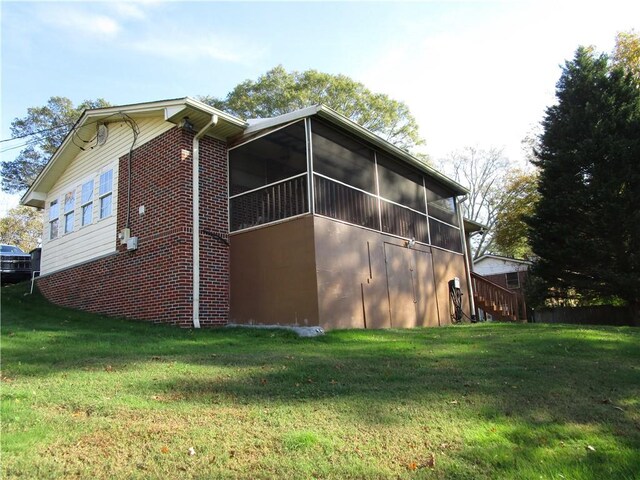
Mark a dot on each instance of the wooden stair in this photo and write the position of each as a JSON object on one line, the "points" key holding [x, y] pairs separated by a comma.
{"points": [[500, 303]]}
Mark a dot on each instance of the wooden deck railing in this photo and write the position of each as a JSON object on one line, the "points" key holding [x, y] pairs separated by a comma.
{"points": [[494, 299]]}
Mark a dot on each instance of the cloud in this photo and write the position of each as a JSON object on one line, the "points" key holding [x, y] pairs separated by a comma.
{"points": [[191, 46], [128, 10], [76, 21]]}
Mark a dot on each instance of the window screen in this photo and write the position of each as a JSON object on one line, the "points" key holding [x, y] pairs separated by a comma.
{"points": [[341, 158], [400, 184], [512, 280], [441, 204], [276, 156]]}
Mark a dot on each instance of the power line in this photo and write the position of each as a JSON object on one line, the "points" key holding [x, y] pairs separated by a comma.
{"points": [[35, 133]]}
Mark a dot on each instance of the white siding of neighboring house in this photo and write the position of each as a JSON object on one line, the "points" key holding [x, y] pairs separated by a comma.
{"points": [[495, 266], [98, 238]]}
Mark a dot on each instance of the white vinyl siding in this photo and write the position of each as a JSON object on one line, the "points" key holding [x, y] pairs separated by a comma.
{"points": [[97, 237]]}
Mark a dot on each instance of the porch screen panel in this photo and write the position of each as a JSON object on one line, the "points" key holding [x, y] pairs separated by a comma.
{"points": [[342, 158], [400, 184], [279, 155], [441, 204], [347, 204], [403, 222], [445, 236]]}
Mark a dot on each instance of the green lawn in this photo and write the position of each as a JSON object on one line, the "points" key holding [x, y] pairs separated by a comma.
{"points": [[85, 396]]}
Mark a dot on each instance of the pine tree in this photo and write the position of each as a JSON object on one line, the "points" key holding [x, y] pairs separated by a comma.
{"points": [[586, 226]]}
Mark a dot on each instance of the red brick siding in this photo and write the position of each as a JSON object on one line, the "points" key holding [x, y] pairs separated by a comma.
{"points": [[214, 254], [154, 283]]}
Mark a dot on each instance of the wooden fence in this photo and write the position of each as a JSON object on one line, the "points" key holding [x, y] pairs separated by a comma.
{"points": [[598, 315]]}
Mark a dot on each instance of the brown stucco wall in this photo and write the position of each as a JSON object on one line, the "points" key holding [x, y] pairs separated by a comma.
{"points": [[370, 279], [273, 277], [317, 271]]}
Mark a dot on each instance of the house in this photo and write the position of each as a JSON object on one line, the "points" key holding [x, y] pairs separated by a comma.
{"points": [[176, 212], [508, 273]]}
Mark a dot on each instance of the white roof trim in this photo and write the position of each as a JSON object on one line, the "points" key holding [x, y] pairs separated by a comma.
{"points": [[170, 107], [500, 257]]}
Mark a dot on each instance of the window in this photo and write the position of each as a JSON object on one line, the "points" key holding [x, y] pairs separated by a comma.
{"points": [[513, 281], [87, 203], [69, 203], [106, 191], [54, 213]]}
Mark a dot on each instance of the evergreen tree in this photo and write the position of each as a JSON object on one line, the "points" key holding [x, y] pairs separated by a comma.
{"points": [[586, 225]]}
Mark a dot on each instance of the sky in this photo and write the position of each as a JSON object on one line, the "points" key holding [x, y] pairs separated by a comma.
{"points": [[472, 73]]}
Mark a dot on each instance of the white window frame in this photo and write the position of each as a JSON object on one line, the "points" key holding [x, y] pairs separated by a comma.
{"points": [[88, 202], [54, 220], [69, 211], [102, 195]]}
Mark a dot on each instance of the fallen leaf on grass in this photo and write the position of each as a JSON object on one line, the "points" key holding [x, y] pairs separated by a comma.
{"points": [[164, 449], [412, 466], [108, 368], [431, 463]]}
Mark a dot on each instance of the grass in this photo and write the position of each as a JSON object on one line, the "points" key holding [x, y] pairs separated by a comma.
{"points": [[84, 396]]}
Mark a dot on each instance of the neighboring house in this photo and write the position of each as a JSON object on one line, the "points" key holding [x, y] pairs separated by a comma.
{"points": [[176, 212], [509, 273]]}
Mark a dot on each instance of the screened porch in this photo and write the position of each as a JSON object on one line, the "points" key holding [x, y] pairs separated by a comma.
{"points": [[310, 167]]}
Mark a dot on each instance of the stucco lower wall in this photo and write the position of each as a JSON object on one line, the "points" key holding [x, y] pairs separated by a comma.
{"points": [[371, 280], [273, 277]]}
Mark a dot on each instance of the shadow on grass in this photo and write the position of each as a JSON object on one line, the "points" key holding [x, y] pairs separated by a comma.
{"points": [[534, 376]]}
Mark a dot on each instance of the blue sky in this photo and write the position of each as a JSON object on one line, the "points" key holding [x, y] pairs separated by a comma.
{"points": [[472, 73]]}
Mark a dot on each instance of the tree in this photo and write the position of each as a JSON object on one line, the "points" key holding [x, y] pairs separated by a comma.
{"points": [[511, 234], [586, 225], [626, 53], [45, 128], [22, 226], [278, 92], [482, 172]]}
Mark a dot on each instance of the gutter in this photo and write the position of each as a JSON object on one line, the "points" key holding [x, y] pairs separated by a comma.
{"points": [[467, 264], [195, 174]]}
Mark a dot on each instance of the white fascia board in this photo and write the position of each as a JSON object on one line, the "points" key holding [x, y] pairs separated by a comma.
{"points": [[488, 256], [192, 102], [257, 124], [170, 108], [34, 199]]}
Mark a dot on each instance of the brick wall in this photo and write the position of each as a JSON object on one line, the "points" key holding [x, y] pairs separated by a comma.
{"points": [[154, 282], [214, 253]]}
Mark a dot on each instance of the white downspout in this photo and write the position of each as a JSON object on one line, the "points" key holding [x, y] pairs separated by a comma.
{"points": [[196, 219], [467, 263]]}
